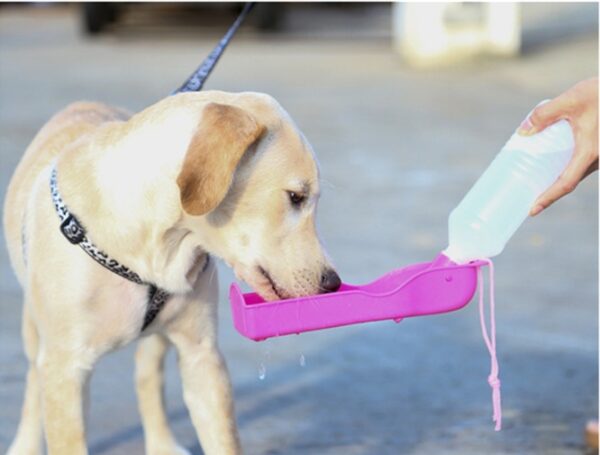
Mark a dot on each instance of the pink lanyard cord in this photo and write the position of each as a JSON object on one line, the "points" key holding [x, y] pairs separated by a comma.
{"points": [[490, 341]]}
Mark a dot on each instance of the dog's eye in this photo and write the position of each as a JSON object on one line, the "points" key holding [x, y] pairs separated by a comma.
{"points": [[296, 198]]}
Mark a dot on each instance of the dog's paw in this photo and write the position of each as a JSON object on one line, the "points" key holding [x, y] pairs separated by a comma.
{"points": [[24, 449], [167, 449]]}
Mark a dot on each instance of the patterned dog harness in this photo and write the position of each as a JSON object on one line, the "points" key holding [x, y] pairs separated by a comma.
{"points": [[75, 233]]}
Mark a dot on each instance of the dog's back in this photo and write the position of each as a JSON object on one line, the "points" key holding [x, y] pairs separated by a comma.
{"points": [[63, 129]]}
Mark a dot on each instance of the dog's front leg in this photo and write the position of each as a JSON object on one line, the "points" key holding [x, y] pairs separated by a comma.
{"points": [[29, 438], [206, 386], [64, 377], [208, 396], [149, 379]]}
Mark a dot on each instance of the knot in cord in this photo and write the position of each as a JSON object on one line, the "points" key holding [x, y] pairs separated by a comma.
{"points": [[494, 382], [490, 342]]}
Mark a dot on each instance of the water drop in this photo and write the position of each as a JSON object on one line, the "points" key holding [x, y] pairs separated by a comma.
{"points": [[262, 372], [302, 360], [265, 358]]}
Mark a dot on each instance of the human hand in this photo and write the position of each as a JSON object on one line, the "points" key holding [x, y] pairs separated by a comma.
{"points": [[578, 105]]}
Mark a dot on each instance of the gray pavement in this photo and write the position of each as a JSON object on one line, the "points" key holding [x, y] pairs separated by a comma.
{"points": [[398, 149]]}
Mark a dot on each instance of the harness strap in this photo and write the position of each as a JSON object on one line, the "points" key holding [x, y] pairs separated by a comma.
{"points": [[75, 233], [156, 301]]}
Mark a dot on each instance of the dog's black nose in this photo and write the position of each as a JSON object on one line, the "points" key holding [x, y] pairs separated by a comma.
{"points": [[330, 281]]}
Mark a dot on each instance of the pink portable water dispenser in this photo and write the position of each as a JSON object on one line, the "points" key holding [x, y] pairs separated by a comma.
{"points": [[479, 228], [417, 290]]}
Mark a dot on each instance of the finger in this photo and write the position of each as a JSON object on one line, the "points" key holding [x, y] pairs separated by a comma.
{"points": [[565, 184], [590, 170], [544, 115]]}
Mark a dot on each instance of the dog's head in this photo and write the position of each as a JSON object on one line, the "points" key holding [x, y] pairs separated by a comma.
{"points": [[249, 187]]}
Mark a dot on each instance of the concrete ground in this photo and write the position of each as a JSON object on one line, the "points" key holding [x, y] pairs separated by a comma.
{"points": [[398, 149]]}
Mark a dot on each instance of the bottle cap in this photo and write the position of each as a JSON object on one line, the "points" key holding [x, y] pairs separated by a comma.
{"points": [[454, 254]]}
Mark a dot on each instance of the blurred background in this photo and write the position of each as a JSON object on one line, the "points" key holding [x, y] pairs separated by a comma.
{"points": [[405, 106]]}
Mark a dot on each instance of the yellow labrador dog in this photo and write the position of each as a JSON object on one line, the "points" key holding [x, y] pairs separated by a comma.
{"points": [[111, 222]]}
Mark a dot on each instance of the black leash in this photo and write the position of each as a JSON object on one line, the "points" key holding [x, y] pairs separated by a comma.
{"points": [[197, 79]]}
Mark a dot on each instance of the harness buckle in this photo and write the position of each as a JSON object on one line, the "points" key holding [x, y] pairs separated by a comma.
{"points": [[72, 230]]}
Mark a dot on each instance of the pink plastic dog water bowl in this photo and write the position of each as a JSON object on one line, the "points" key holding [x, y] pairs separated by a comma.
{"points": [[417, 290]]}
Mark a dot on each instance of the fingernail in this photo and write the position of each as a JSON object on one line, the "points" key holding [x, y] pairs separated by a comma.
{"points": [[526, 127], [536, 209]]}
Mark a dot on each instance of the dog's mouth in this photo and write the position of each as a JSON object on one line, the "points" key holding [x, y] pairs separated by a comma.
{"points": [[261, 281], [278, 291]]}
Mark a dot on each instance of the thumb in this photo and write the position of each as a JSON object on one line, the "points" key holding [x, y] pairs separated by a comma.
{"points": [[545, 114]]}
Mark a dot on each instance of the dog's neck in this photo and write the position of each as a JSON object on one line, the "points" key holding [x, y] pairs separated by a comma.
{"points": [[125, 194]]}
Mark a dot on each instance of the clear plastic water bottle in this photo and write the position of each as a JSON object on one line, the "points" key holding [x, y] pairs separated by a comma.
{"points": [[499, 202]]}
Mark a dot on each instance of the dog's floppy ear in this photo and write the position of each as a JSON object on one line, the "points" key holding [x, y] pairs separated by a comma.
{"points": [[222, 137]]}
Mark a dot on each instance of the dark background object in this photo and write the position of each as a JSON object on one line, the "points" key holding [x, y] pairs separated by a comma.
{"points": [[97, 16]]}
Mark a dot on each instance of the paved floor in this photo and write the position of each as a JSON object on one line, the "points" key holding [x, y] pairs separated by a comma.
{"points": [[398, 148]]}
